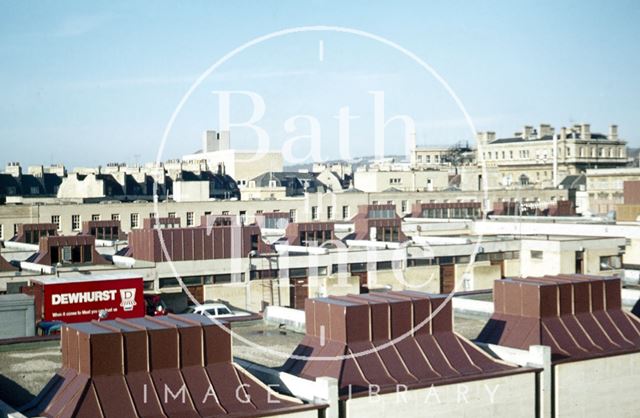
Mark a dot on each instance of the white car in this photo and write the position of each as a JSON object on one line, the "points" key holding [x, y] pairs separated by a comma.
{"points": [[214, 310]]}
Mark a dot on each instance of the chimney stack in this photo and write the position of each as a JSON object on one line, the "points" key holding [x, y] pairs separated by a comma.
{"points": [[613, 132], [563, 133], [527, 132], [14, 169], [585, 132], [486, 137], [209, 141], [545, 130]]}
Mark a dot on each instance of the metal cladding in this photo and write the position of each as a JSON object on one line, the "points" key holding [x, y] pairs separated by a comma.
{"points": [[578, 316], [388, 339], [173, 366]]}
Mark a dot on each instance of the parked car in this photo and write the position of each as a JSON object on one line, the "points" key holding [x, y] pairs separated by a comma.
{"points": [[215, 310]]}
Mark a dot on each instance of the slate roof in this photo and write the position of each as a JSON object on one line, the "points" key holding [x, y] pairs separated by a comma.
{"points": [[296, 183], [29, 185], [594, 136]]}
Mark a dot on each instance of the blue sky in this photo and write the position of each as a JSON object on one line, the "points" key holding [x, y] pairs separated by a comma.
{"points": [[86, 83]]}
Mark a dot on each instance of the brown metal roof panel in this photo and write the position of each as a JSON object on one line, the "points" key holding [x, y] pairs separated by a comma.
{"points": [[375, 371], [563, 339], [581, 297], [597, 296], [415, 360], [436, 358], [351, 379], [217, 344], [171, 389], [76, 384], [480, 358], [349, 323], [395, 365], [145, 398], [612, 330], [613, 295], [114, 396], [331, 367], [456, 355], [422, 319], [627, 325], [201, 391], [578, 334], [599, 336], [89, 407], [228, 388], [499, 288], [557, 352], [442, 315]]}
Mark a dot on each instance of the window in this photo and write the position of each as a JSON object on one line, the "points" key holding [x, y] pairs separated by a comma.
{"points": [[95, 217], [329, 212], [135, 220], [610, 262], [115, 217], [1, 231], [403, 205], [172, 215], [314, 213], [55, 219], [536, 255], [189, 218], [15, 229], [225, 213], [345, 212], [75, 222], [293, 215]]}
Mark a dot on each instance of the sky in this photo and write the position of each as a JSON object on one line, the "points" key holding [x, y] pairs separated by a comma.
{"points": [[88, 83]]}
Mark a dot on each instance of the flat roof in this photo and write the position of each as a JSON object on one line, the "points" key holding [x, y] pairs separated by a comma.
{"points": [[77, 278]]}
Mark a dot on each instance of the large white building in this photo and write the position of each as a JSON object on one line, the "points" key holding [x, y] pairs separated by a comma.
{"points": [[241, 165]]}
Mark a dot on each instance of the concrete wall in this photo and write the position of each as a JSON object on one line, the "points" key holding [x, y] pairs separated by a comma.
{"points": [[423, 279], [16, 316], [509, 396], [380, 180], [190, 191], [480, 276], [598, 388]]}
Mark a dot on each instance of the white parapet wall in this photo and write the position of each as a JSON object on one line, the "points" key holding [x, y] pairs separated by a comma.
{"points": [[506, 396], [293, 319], [601, 387], [468, 306]]}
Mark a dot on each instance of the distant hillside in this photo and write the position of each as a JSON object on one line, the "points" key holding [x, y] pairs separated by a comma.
{"points": [[356, 162]]}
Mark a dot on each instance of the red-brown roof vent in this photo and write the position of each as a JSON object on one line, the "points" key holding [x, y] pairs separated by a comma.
{"points": [[179, 365], [578, 316], [387, 339]]}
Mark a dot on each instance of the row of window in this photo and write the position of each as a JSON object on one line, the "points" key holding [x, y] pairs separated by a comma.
{"points": [[544, 154], [335, 268], [427, 159], [452, 213]]}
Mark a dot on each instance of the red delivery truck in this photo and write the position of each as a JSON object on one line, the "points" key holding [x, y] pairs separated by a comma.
{"points": [[82, 298]]}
